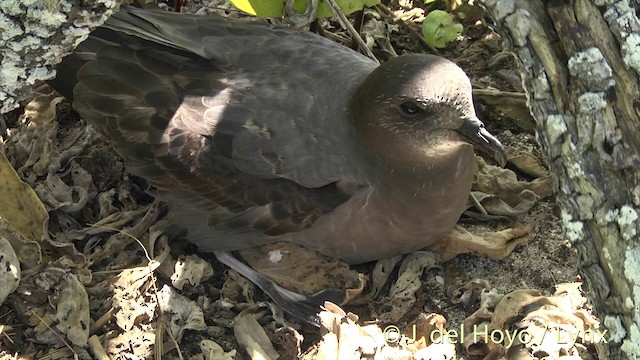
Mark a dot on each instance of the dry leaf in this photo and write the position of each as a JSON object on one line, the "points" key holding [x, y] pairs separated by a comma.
{"points": [[379, 277], [191, 270], [494, 245], [24, 212], [527, 163], [251, 336], [187, 315], [72, 311], [468, 292], [299, 269], [526, 322], [9, 271], [135, 343], [212, 351], [131, 300], [42, 109], [344, 338], [402, 294], [504, 183], [57, 195], [498, 208]]}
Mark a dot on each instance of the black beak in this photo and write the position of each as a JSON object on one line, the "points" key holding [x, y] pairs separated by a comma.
{"points": [[473, 129]]}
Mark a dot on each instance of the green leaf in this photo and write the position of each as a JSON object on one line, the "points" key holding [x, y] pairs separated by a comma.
{"points": [[439, 28], [275, 8], [429, 1]]}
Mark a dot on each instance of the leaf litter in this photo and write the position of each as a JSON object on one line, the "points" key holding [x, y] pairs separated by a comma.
{"points": [[99, 277]]}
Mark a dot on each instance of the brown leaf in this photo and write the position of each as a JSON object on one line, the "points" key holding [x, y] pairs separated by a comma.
{"points": [[299, 269], [494, 245]]}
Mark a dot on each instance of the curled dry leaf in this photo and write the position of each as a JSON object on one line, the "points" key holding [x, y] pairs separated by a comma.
{"points": [[80, 176], [187, 315], [379, 277], [354, 293], [425, 329], [57, 195], [289, 340], [497, 208], [119, 241], [135, 343], [344, 338], [28, 252], [23, 215], [39, 147], [192, 270], [9, 271], [409, 13], [131, 298], [468, 292], [36, 149], [494, 245], [299, 269], [528, 322], [109, 224], [237, 288], [376, 32], [527, 163], [508, 309], [105, 203], [58, 306], [402, 294], [42, 109], [481, 319], [251, 336], [212, 351], [511, 104], [72, 311], [504, 183]]}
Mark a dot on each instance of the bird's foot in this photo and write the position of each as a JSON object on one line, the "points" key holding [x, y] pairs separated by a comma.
{"points": [[301, 307]]}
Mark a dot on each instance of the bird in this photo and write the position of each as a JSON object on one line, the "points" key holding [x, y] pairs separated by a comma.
{"points": [[254, 133]]}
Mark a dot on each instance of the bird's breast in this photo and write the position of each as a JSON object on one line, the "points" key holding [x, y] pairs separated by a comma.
{"points": [[381, 222]]}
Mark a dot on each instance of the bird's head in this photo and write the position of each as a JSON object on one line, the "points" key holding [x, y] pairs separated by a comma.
{"points": [[417, 108]]}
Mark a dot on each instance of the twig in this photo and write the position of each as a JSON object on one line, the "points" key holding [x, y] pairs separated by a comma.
{"points": [[478, 205], [75, 355], [97, 349], [345, 22], [102, 321], [409, 26]]}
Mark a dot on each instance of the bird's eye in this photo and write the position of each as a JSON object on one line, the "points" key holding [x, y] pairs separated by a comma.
{"points": [[409, 108]]}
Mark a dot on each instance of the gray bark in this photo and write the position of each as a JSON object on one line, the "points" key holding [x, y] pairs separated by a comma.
{"points": [[35, 36], [580, 62]]}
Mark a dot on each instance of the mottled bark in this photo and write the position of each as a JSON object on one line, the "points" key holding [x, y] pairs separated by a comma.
{"points": [[36, 35], [580, 62]]}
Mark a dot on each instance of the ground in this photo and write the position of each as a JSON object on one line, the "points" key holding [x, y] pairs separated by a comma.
{"points": [[176, 304]]}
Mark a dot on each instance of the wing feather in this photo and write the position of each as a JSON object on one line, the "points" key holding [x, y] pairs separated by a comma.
{"points": [[216, 130]]}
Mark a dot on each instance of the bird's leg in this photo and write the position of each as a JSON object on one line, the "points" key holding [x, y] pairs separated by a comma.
{"points": [[302, 307]]}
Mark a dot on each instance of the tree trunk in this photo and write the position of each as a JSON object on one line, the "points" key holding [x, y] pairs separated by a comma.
{"points": [[580, 62], [35, 36]]}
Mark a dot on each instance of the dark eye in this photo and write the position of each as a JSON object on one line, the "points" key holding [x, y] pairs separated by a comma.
{"points": [[409, 108]]}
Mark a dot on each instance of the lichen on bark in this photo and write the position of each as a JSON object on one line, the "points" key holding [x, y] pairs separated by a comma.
{"points": [[579, 62], [36, 35]]}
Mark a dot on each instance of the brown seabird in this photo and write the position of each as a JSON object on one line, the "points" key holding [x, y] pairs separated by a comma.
{"points": [[254, 133]]}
